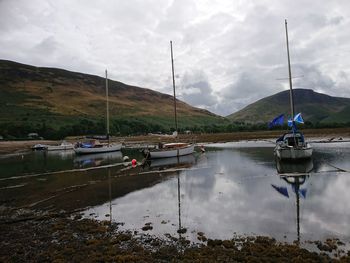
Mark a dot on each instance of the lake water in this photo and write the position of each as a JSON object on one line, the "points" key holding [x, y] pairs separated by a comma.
{"points": [[231, 189]]}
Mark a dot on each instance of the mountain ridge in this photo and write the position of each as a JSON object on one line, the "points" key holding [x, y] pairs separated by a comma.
{"points": [[314, 106], [53, 97]]}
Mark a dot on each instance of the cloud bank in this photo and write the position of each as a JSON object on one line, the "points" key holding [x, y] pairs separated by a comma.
{"points": [[227, 54]]}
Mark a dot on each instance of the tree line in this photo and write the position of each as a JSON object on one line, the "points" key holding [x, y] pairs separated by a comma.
{"points": [[126, 127]]}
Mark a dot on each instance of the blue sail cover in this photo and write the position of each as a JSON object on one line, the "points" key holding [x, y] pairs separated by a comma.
{"points": [[277, 121]]}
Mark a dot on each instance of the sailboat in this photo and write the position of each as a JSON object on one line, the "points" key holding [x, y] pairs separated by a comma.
{"points": [[95, 146], [170, 149], [292, 145]]}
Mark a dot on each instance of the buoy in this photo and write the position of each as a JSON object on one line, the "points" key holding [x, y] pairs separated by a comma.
{"points": [[133, 162], [126, 158]]}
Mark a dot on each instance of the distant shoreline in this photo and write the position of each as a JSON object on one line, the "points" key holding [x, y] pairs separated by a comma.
{"points": [[9, 147]]}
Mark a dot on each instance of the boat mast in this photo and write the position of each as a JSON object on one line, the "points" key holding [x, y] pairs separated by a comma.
{"points": [[107, 105], [290, 76], [172, 68]]}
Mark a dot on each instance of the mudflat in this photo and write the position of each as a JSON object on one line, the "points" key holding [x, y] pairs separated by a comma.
{"points": [[7, 147]]}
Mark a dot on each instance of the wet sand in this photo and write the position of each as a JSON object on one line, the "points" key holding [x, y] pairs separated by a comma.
{"points": [[8, 147]]}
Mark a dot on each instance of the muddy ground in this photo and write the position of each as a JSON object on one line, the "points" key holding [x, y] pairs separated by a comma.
{"points": [[62, 238], [7, 147]]}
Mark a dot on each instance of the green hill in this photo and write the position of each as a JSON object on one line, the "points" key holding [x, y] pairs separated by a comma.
{"points": [[315, 107], [61, 102]]}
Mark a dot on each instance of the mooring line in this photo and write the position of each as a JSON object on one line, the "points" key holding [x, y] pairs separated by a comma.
{"points": [[65, 171], [339, 169]]}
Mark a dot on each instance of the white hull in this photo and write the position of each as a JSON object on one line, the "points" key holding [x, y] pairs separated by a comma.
{"points": [[293, 153], [103, 149], [166, 153], [60, 147]]}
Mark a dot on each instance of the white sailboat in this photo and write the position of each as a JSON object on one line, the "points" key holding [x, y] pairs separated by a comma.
{"points": [[94, 146], [63, 146], [170, 149], [292, 145]]}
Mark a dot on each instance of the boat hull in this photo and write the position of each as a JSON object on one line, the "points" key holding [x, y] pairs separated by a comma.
{"points": [[103, 149], [39, 147], [167, 153], [293, 153], [60, 147]]}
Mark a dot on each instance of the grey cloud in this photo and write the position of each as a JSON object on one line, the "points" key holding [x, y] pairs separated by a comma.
{"points": [[230, 51], [313, 78], [195, 89]]}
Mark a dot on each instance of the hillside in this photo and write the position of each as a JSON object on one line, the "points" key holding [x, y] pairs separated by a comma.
{"points": [[315, 107], [47, 99]]}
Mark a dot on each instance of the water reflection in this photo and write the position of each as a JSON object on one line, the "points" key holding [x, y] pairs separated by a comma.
{"points": [[227, 191], [63, 155], [294, 174], [221, 192], [97, 159], [300, 167], [173, 161]]}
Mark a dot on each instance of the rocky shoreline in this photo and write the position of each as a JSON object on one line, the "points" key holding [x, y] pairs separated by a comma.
{"points": [[70, 238]]}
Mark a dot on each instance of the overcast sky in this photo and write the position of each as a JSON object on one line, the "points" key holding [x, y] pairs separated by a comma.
{"points": [[227, 53]]}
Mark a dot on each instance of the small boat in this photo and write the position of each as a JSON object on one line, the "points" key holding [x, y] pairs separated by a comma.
{"points": [[39, 147], [292, 145], [62, 147], [95, 146], [170, 149]]}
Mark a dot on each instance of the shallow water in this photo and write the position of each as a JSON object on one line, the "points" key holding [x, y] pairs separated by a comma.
{"points": [[231, 189]]}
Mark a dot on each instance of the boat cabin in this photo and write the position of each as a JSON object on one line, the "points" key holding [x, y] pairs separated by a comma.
{"points": [[292, 139]]}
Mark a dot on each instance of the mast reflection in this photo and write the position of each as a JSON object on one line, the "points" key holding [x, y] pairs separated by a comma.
{"points": [[295, 174]]}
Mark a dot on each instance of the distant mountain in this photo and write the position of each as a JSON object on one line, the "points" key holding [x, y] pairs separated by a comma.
{"points": [[52, 98], [314, 106]]}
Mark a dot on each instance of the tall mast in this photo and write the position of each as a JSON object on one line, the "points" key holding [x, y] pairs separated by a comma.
{"points": [[290, 75], [107, 105], [172, 68]]}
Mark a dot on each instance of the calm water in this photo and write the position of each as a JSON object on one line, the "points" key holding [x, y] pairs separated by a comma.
{"points": [[233, 188]]}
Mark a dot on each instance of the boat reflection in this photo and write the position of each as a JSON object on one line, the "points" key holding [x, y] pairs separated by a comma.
{"points": [[97, 159], [295, 175], [300, 167], [64, 155], [172, 162]]}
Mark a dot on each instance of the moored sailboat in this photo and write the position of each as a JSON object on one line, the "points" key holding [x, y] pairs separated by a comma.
{"points": [[170, 149], [95, 146], [292, 145], [63, 146]]}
